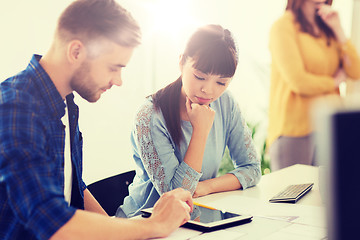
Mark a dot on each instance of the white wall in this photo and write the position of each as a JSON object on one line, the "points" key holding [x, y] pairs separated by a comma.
{"points": [[355, 28], [26, 27]]}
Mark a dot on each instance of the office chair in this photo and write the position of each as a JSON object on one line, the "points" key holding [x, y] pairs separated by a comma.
{"points": [[110, 192]]}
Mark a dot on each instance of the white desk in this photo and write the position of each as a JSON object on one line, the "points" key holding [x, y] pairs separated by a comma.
{"points": [[274, 182], [303, 220]]}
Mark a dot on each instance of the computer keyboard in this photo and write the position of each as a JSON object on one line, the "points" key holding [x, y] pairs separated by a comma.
{"points": [[292, 193]]}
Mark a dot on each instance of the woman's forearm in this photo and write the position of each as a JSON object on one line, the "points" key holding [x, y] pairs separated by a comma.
{"points": [[227, 182], [195, 152]]}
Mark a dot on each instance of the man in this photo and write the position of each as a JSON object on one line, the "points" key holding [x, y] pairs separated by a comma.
{"points": [[42, 194]]}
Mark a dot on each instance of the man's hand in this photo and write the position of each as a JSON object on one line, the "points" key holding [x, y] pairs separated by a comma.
{"points": [[171, 211]]}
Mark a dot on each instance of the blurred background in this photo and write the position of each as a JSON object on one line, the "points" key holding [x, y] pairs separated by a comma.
{"points": [[27, 28]]}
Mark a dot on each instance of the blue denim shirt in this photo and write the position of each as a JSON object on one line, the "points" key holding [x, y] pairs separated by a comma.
{"points": [[32, 140], [159, 162]]}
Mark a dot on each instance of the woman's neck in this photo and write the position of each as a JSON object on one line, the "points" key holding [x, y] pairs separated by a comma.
{"points": [[182, 104]]}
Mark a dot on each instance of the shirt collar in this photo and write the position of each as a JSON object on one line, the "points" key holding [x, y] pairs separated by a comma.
{"points": [[46, 87]]}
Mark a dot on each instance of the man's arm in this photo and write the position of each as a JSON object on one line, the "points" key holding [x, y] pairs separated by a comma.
{"points": [[91, 204], [170, 212]]}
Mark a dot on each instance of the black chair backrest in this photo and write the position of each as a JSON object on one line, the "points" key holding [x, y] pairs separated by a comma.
{"points": [[110, 192]]}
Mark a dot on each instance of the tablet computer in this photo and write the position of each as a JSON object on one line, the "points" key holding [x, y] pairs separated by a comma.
{"points": [[207, 219]]}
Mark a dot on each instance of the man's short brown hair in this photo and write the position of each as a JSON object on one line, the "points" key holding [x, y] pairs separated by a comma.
{"points": [[90, 20]]}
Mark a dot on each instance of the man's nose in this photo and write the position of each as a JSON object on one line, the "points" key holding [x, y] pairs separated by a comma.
{"points": [[117, 80]]}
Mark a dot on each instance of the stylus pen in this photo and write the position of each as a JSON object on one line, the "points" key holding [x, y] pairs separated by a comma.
{"points": [[204, 206]]}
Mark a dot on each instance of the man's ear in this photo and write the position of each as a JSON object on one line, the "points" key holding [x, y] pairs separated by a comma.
{"points": [[76, 52]]}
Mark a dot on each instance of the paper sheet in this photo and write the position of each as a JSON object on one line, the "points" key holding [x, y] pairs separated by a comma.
{"points": [[278, 221], [308, 215], [298, 232], [182, 234], [221, 234]]}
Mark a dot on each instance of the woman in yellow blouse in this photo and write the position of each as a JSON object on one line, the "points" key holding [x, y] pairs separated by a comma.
{"points": [[310, 58]]}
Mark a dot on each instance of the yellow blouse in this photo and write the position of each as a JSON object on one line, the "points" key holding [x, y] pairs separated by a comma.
{"points": [[302, 70]]}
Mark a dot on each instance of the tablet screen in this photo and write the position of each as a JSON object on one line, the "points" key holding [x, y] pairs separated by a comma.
{"points": [[206, 219], [206, 215]]}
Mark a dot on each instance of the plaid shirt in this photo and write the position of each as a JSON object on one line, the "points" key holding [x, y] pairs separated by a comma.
{"points": [[32, 140]]}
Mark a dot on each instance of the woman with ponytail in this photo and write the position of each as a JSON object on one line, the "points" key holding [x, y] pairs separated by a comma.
{"points": [[182, 131]]}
